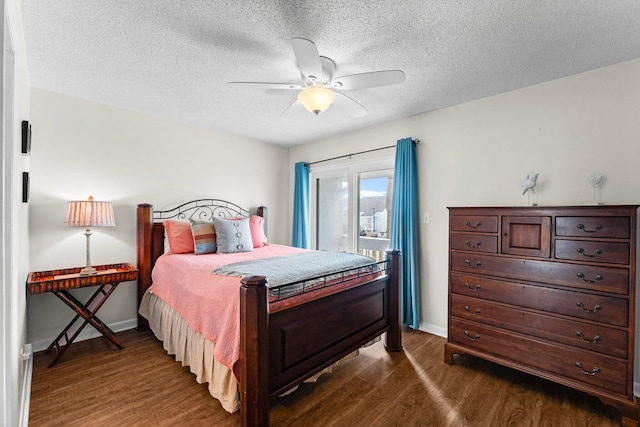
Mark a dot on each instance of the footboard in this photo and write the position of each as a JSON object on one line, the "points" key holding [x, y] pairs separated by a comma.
{"points": [[281, 349]]}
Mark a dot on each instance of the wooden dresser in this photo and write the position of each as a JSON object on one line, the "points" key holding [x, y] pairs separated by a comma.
{"points": [[549, 291]]}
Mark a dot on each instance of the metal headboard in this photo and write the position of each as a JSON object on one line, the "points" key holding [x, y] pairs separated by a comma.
{"points": [[203, 209]]}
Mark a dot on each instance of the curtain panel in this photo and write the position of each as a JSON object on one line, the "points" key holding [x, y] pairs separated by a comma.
{"points": [[300, 235], [404, 235]]}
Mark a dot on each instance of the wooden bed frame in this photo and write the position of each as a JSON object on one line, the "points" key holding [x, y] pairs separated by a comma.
{"points": [[280, 349]]}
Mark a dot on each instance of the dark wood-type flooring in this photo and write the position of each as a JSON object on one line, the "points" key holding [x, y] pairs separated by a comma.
{"points": [[95, 384]]}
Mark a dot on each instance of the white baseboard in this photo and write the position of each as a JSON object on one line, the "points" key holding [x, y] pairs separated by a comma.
{"points": [[434, 329], [25, 398], [88, 333]]}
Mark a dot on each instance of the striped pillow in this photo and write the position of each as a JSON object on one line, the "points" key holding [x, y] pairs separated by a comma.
{"points": [[204, 237]]}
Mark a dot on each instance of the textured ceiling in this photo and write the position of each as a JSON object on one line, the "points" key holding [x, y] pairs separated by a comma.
{"points": [[172, 59]]}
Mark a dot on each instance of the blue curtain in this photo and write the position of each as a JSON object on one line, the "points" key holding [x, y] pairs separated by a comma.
{"points": [[404, 228], [301, 206]]}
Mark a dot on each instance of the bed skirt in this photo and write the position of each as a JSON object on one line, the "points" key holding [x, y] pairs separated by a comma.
{"points": [[192, 349]]}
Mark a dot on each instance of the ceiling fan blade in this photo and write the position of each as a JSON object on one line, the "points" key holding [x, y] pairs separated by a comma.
{"points": [[349, 105], [261, 85], [294, 106], [366, 80], [308, 58]]}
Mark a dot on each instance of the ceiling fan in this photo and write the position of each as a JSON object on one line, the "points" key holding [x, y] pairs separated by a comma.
{"points": [[319, 89]]}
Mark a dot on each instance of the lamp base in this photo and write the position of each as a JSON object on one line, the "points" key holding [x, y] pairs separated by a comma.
{"points": [[88, 271]]}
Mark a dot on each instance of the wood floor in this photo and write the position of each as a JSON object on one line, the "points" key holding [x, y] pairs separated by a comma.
{"points": [[95, 384]]}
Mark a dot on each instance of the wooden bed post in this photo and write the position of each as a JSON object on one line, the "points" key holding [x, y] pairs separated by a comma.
{"points": [[254, 352], [144, 254], [394, 334]]}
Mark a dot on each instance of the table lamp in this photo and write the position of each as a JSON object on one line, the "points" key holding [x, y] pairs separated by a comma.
{"points": [[89, 213]]}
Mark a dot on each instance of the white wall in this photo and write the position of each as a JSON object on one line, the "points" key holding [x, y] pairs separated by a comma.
{"points": [[479, 152], [81, 149]]}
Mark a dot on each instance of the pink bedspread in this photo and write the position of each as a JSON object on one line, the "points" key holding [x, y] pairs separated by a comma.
{"points": [[209, 304]]}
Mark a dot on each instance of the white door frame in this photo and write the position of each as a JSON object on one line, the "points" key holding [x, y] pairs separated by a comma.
{"points": [[8, 402]]}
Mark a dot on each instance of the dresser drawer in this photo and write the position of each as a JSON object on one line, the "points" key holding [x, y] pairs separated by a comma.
{"points": [[593, 251], [593, 277], [593, 226], [587, 367], [477, 243], [598, 308], [589, 336], [474, 223]]}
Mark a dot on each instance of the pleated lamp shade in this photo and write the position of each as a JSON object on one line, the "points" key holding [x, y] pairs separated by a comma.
{"points": [[89, 213]]}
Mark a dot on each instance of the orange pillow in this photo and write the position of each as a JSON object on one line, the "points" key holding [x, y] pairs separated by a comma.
{"points": [[256, 225], [179, 235]]}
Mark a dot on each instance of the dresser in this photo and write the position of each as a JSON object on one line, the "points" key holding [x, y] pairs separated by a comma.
{"points": [[549, 291]]}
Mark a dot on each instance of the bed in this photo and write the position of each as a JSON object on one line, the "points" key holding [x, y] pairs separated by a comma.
{"points": [[279, 344]]}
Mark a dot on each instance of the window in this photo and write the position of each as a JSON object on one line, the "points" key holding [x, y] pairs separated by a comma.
{"points": [[351, 207]]}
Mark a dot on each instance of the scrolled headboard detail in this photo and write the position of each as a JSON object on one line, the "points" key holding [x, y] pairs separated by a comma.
{"points": [[150, 232], [202, 209]]}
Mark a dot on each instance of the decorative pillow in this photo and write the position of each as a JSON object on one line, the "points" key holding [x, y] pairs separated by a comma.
{"points": [[233, 235], [179, 235], [204, 236], [256, 224]]}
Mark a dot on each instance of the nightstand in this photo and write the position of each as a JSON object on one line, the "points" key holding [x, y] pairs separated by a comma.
{"points": [[59, 282]]}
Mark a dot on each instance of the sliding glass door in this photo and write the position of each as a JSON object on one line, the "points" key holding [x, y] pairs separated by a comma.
{"points": [[351, 207]]}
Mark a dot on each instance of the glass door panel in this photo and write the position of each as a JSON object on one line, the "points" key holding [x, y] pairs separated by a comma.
{"points": [[374, 207], [332, 223]]}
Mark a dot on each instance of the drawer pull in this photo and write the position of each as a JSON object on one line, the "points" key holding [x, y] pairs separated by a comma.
{"points": [[478, 263], [595, 308], [478, 224], [469, 337], [598, 252], [596, 370], [598, 227], [466, 308], [595, 338], [468, 243], [475, 289], [598, 277]]}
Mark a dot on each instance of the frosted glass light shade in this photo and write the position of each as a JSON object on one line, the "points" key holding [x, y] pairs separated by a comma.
{"points": [[316, 99]]}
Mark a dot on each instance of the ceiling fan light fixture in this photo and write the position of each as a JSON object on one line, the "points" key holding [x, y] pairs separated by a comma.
{"points": [[316, 99]]}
